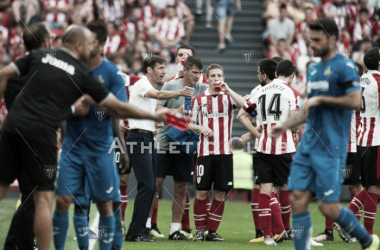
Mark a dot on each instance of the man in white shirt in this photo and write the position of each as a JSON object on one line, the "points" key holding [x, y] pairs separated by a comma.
{"points": [[140, 143]]}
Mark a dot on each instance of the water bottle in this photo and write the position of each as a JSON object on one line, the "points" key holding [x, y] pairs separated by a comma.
{"points": [[187, 105]]}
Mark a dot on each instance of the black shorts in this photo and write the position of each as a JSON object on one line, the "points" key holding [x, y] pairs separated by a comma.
{"points": [[352, 171], [370, 165], [274, 168], [179, 165], [217, 169], [255, 169], [34, 164]]}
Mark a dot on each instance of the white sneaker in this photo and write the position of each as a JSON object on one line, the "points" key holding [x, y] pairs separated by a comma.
{"points": [[269, 241], [315, 244]]}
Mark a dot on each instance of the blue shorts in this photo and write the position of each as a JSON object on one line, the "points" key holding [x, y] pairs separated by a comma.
{"points": [[224, 8], [86, 177], [320, 174]]}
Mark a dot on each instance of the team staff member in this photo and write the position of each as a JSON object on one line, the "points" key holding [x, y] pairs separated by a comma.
{"points": [[28, 145], [141, 140]]}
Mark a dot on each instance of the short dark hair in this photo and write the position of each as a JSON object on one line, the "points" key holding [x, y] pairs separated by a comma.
{"points": [[185, 46], [282, 6], [100, 29], [371, 59], [327, 25], [360, 69], [363, 10], [151, 62], [277, 58], [193, 61], [268, 67], [35, 35], [285, 68]]}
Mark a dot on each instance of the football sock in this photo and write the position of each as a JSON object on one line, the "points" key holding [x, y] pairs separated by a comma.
{"points": [[352, 226], [277, 225], [148, 223], [215, 215], [285, 208], [81, 226], [302, 231], [208, 206], [60, 227], [174, 227], [118, 237], [124, 200], [200, 214], [255, 208], [328, 224], [265, 215], [155, 211], [106, 231], [186, 215], [358, 214], [358, 201], [370, 206]]}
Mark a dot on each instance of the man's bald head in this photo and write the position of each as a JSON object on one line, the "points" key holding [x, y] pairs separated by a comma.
{"points": [[74, 34]]}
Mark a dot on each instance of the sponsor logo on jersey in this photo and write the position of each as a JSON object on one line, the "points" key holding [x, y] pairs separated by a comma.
{"points": [[247, 55], [318, 85], [58, 64]]}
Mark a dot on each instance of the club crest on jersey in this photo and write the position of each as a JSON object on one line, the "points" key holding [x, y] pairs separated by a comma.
{"points": [[327, 71], [247, 55], [101, 79], [298, 231], [50, 170], [102, 232], [346, 55], [100, 113], [149, 56], [346, 170]]}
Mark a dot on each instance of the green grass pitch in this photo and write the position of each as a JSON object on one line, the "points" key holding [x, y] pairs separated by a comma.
{"points": [[236, 228]]}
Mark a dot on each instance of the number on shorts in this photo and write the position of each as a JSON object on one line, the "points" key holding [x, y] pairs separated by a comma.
{"points": [[117, 156], [200, 170]]}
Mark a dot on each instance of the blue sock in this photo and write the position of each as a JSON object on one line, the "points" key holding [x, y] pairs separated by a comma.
{"points": [[118, 238], [81, 227], [351, 225], [106, 232], [60, 227], [302, 230]]}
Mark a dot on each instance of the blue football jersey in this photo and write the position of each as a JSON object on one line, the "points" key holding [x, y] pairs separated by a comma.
{"points": [[93, 135], [327, 128]]}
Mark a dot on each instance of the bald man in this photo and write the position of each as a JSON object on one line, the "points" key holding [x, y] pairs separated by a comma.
{"points": [[28, 144]]}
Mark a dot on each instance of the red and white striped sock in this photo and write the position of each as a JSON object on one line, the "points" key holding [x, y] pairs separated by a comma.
{"points": [[370, 205], [123, 201], [358, 215], [200, 214], [278, 226], [186, 215], [285, 208], [265, 215], [357, 202], [215, 215], [255, 208]]}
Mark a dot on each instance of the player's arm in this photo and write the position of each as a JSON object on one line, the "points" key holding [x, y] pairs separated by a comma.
{"points": [[349, 101], [124, 164], [244, 118], [7, 73], [165, 95], [238, 99]]}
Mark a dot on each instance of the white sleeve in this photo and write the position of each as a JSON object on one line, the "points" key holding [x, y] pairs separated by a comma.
{"points": [[142, 87]]}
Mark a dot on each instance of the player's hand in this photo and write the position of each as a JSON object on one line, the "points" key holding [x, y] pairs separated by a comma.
{"points": [[207, 131], [123, 128], [81, 107], [244, 138], [277, 131], [224, 87], [124, 164], [246, 97], [312, 102], [186, 91]]}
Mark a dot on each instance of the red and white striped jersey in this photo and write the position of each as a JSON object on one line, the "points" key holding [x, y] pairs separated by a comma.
{"points": [[253, 93], [148, 14], [338, 12], [133, 27], [273, 103], [355, 122], [56, 17], [112, 43], [369, 129], [216, 113], [170, 29]]}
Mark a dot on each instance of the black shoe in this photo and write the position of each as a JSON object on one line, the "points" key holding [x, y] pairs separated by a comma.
{"points": [[177, 235], [35, 247], [214, 237], [199, 235], [139, 238], [259, 234]]}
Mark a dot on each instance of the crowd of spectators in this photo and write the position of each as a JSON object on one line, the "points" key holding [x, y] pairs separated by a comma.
{"points": [[286, 30]]}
